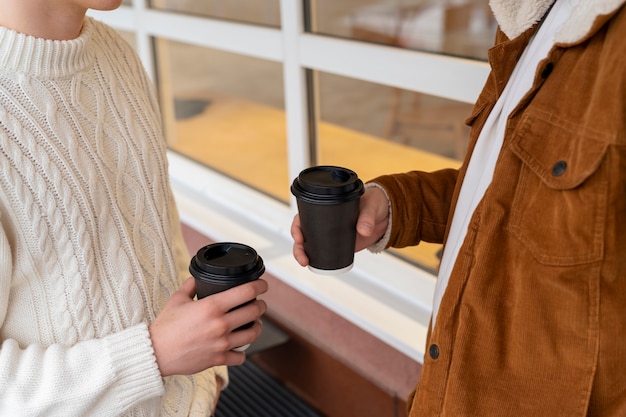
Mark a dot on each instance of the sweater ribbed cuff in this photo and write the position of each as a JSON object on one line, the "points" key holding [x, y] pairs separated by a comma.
{"points": [[132, 357]]}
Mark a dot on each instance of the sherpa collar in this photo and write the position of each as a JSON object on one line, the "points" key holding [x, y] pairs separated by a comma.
{"points": [[516, 16]]}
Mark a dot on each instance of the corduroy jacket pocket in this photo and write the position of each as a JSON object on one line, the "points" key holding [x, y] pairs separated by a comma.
{"points": [[559, 208]]}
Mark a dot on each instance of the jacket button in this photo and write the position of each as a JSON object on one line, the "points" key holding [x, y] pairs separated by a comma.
{"points": [[547, 70], [433, 351], [559, 168]]}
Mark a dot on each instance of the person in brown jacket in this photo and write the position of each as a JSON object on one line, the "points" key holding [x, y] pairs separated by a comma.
{"points": [[529, 314]]}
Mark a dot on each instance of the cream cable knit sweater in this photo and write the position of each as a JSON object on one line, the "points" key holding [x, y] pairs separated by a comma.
{"points": [[90, 245]]}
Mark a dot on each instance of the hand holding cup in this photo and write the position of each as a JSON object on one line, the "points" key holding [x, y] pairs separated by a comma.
{"points": [[328, 207], [221, 266], [371, 224], [189, 336]]}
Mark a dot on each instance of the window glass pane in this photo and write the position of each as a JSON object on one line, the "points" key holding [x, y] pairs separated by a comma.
{"points": [[461, 28], [374, 130], [261, 12], [227, 112]]}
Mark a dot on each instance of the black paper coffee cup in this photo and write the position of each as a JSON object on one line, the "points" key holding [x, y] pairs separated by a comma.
{"points": [[221, 266], [328, 200]]}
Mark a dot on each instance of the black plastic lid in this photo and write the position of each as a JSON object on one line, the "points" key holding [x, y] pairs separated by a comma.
{"points": [[327, 185], [227, 261]]}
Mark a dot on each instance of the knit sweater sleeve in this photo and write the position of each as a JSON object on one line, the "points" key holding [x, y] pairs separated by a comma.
{"points": [[96, 377]]}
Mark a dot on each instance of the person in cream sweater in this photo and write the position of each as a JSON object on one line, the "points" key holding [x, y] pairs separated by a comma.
{"points": [[97, 310]]}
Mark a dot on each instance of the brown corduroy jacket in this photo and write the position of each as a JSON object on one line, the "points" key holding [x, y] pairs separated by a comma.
{"points": [[533, 321]]}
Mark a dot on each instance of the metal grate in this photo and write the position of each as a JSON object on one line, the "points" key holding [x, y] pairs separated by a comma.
{"points": [[253, 393]]}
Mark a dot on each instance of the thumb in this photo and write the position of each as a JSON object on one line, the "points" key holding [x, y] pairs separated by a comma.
{"points": [[188, 288], [366, 222], [374, 213]]}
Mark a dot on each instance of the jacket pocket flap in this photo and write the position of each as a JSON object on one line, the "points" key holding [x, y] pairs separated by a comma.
{"points": [[561, 153]]}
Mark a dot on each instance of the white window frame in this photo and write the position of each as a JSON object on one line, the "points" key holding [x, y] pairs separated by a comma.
{"points": [[383, 295]]}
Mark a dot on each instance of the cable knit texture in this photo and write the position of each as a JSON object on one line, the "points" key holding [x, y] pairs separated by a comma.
{"points": [[90, 243]]}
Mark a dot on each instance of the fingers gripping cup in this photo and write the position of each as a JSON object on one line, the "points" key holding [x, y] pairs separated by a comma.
{"points": [[221, 266], [328, 203]]}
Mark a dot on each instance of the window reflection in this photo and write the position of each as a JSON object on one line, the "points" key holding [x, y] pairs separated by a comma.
{"points": [[261, 12], [462, 28], [374, 130], [421, 121], [226, 111]]}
